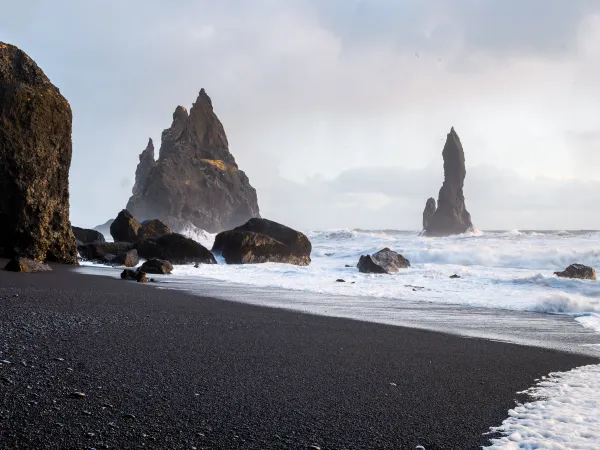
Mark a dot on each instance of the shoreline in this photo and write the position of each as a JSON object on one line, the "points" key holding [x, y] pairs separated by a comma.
{"points": [[530, 328], [203, 372]]}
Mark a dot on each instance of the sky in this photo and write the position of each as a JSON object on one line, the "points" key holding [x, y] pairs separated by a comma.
{"points": [[337, 110]]}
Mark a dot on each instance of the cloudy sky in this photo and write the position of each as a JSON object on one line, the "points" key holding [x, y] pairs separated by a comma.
{"points": [[337, 109]]}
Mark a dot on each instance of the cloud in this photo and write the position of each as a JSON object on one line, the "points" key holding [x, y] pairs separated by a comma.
{"points": [[328, 105]]}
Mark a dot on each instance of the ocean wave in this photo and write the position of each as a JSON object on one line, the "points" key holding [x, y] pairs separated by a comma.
{"points": [[199, 235], [565, 303]]}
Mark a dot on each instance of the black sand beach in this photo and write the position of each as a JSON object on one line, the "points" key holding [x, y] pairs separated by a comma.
{"points": [[163, 369]]}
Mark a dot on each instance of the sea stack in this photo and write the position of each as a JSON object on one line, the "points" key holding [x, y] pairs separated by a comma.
{"points": [[451, 216], [35, 156], [195, 180]]}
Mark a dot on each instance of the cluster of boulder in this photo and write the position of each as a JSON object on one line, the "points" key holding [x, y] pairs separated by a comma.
{"points": [[257, 241]]}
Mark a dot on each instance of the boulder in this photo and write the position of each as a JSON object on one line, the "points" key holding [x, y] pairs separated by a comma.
{"points": [[261, 241], [451, 216], [35, 157], [128, 274], [157, 266], [85, 236], [195, 178], [134, 275], [127, 259], [105, 252], [26, 265], [577, 271], [455, 276], [428, 212], [125, 228], [384, 261], [175, 248], [153, 229]]}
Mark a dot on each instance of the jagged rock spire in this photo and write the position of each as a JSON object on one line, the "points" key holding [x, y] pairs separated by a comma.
{"points": [[196, 179]]}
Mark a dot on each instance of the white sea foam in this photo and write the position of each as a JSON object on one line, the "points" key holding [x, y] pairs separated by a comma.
{"points": [[564, 414], [508, 270]]}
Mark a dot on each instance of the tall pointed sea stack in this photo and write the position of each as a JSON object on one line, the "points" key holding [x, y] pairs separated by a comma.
{"points": [[196, 179], [451, 216], [35, 156]]}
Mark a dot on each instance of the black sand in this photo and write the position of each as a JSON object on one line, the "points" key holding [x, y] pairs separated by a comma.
{"points": [[162, 369]]}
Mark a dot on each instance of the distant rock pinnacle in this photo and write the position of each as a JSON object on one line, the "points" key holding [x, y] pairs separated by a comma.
{"points": [[451, 216]]}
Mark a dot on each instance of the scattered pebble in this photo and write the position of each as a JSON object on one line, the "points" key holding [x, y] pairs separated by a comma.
{"points": [[393, 384], [7, 380], [77, 395], [4, 361], [339, 280], [59, 359], [87, 413], [128, 416], [455, 276]]}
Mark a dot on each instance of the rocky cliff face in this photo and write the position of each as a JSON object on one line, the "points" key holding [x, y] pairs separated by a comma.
{"points": [[451, 216], [196, 179], [35, 156], [144, 168]]}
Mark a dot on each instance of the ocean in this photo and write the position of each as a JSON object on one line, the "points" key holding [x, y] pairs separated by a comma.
{"points": [[506, 291]]}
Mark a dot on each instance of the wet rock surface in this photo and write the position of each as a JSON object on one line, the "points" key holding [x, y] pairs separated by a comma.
{"points": [[26, 265], [35, 157], [106, 252], [177, 249], [153, 229], [577, 271], [86, 236], [157, 266], [125, 227], [261, 241], [384, 261]]}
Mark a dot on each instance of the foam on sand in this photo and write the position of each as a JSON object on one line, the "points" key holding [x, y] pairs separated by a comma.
{"points": [[563, 414]]}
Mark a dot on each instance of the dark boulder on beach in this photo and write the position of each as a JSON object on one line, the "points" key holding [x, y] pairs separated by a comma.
{"points": [[157, 266], [195, 179], [85, 236], [428, 212], [134, 275], [125, 228], [35, 156], [26, 265], [384, 261], [105, 252], [577, 271], [451, 216], [153, 229], [175, 248], [261, 241], [127, 259]]}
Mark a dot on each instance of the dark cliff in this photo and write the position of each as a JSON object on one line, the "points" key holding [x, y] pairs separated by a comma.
{"points": [[35, 157]]}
